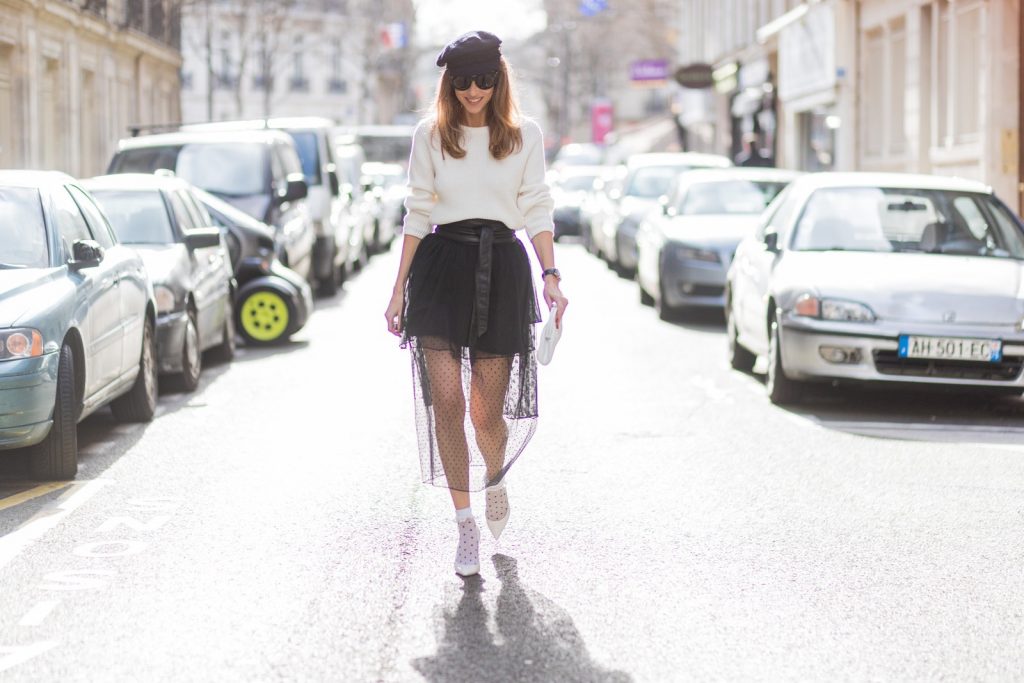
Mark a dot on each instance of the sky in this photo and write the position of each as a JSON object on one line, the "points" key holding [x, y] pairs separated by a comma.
{"points": [[438, 21]]}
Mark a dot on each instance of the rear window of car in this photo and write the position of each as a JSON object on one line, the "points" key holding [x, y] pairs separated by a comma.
{"points": [[145, 159], [723, 197], [22, 229], [138, 216], [652, 181], [226, 169], [309, 155]]}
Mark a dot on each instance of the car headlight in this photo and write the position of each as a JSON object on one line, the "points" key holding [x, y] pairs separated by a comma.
{"points": [[687, 253], [165, 299], [810, 306], [20, 343]]}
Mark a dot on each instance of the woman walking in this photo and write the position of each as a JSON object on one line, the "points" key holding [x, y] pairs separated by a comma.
{"points": [[464, 302]]}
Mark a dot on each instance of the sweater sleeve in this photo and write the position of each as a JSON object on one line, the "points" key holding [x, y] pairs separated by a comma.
{"points": [[534, 201], [421, 198]]}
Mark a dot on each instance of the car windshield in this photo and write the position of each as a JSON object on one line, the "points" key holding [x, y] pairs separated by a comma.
{"points": [[577, 183], [309, 155], [138, 216], [723, 197], [226, 169], [22, 230], [898, 219], [652, 181]]}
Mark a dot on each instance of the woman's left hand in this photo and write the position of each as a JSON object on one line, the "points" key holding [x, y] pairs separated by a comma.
{"points": [[553, 295]]}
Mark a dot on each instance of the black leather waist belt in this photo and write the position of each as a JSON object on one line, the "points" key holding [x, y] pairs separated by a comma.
{"points": [[486, 233]]}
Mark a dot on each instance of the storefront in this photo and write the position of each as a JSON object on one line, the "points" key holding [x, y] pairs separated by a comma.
{"points": [[814, 90], [752, 108]]}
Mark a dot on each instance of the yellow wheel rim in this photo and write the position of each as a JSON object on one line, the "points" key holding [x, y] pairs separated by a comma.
{"points": [[264, 316]]}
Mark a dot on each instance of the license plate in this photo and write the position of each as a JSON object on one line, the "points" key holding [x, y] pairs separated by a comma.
{"points": [[951, 348]]}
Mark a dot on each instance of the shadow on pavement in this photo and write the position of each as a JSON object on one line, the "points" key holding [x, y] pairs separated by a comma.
{"points": [[536, 640], [936, 414]]}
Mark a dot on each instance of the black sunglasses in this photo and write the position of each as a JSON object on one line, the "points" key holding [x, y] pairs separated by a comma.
{"points": [[483, 81]]}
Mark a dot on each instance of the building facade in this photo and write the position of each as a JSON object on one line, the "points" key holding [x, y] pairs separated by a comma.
{"points": [[347, 60], [75, 75], [927, 86]]}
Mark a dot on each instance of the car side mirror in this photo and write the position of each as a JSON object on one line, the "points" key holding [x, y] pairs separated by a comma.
{"points": [[771, 241], [666, 206], [295, 189], [202, 238], [85, 254], [335, 182]]}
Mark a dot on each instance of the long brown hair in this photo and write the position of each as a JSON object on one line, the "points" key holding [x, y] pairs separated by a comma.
{"points": [[506, 136]]}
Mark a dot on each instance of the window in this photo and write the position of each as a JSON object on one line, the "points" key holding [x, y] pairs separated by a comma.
{"points": [[967, 69], [97, 221], [181, 215], [70, 224], [299, 82], [883, 105], [138, 216], [22, 232]]}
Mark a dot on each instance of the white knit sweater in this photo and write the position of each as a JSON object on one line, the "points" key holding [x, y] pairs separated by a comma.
{"points": [[445, 190]]}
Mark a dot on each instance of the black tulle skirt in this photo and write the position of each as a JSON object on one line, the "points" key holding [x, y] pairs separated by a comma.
{"points": [[475, 393]]}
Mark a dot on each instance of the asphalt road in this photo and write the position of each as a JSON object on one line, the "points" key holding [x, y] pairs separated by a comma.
{"points": [[668, 524]]}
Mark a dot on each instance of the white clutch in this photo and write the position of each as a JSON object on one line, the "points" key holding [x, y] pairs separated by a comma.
{"points": [[549, 337]]}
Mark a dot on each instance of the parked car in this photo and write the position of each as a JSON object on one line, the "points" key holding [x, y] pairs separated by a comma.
{"points": [[387, 185], [646, 178], [272, 301], [880, 278], [258, 171], [77, 320], [187, 262], [569, 188], [597, 203], [363, 234], [685, 246], [312, 136]]}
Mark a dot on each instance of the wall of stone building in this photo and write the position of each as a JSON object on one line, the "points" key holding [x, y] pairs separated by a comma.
{"points": [[71, 83], [939, 92]]}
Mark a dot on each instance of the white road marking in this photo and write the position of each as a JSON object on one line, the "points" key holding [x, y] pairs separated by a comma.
{"points": [[38, 614], [11, 657], [50, 516], [110, 548]]}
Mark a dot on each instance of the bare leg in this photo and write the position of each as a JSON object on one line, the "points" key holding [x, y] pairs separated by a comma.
{"points": [[486, 408], [444, 372]]}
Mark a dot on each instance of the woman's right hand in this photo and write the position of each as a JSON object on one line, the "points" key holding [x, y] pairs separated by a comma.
{"points": [[394, 313]]}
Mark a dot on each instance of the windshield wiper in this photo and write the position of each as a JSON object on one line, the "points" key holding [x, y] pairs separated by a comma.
{"points": [[12, 266]]}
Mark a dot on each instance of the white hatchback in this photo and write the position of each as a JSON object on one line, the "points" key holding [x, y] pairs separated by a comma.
{"points": [[883, 278]]}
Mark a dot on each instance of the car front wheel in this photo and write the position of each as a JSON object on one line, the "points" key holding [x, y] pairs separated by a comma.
{"points": [[739, 357], [139, 404], [56, 456], [191, 357], [781, 389]]}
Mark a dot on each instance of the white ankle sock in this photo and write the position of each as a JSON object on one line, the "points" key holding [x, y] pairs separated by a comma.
{"points": [[499, 485], [463, 514]]}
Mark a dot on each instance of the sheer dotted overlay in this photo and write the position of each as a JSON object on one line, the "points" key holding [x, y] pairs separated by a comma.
{"points": [[475, 396]]}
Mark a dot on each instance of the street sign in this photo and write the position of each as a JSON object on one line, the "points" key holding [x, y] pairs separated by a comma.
{"points": [[696, 76], [646, 70], [601, 120], [589, 8]]}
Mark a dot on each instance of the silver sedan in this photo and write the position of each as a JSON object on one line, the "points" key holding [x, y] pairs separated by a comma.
{"points": [[684, 248], [883, 278]]}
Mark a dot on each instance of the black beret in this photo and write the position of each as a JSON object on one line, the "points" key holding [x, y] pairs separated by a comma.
{"points": [[471, 53]]}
